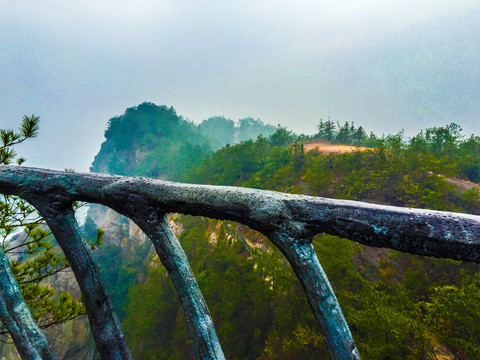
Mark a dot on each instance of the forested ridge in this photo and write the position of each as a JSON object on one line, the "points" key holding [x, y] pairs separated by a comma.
{"points": [[399, 306], [150, 140]]}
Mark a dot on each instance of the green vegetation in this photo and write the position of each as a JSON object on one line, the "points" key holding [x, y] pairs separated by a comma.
{"points": [[343, 134], [29, 246], [240, 283], [150, 140], [399, 306]]}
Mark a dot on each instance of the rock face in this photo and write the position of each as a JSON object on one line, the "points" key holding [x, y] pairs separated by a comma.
{"points": [[155, 141]]}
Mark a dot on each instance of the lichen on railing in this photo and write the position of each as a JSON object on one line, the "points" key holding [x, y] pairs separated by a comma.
{"points": [[289, 221]]}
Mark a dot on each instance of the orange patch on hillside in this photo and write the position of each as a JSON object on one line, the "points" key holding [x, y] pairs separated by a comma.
{"points": [[332, 148], [463, 185]]}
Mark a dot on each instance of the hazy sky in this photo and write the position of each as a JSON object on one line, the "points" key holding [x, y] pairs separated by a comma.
{"points": [[387, 65]]}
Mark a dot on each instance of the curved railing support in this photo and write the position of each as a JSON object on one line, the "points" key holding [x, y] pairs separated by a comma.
{"points": [[15, 314], [290, 221], [104, 323], [320, 295], [200, 325]]}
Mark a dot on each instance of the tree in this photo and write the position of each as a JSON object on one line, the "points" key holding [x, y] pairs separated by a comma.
{"points": [[344, 135], [326, 130], [281, 137], [29, 245], [249, 128], [359, 136], [9, 138], [454, 314], [218, 130]]}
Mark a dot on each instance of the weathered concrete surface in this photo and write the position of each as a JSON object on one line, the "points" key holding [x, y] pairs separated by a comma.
{"points": [[320, 295], [290, 221], [104, 323], [423, 232], [15, 314], [202, 331]]}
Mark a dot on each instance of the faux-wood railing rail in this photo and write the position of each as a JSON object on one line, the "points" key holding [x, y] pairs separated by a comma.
{"points": [[289, 221]]}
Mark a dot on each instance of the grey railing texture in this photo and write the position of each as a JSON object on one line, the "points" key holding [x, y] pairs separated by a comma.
{"points": [[289, 221]]}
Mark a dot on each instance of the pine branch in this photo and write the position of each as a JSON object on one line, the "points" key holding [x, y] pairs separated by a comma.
{"points": [[30, 126]]}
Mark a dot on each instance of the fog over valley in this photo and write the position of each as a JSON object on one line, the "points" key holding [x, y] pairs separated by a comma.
{"points": [[387, 67]]}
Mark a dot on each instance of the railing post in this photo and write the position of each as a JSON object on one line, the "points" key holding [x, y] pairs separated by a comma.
{"points": [[200, 325], [104, 323], [320, 295], [15, 314]]}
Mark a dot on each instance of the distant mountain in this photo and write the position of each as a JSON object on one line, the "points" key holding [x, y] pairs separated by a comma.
{"points": [[155, 141]]}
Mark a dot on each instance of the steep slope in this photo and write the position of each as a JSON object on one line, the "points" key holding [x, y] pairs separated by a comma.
{"points": [[154, 141]]}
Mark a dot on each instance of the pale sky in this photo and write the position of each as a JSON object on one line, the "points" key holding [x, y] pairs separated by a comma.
{"points": [[387, 65]]}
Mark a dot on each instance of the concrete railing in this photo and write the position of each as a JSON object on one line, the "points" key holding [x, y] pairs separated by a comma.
{"points": [[289, 221]]}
